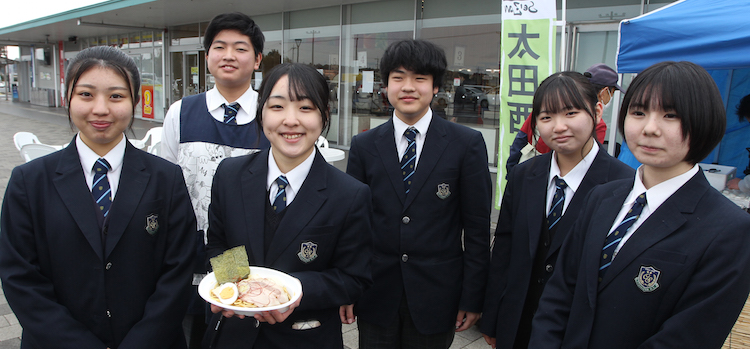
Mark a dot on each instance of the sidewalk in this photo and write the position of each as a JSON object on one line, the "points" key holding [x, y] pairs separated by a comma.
{"points": [[51, 126]]}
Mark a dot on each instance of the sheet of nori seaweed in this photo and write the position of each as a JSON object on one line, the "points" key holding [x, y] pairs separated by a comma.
{"points": [[231, 266]]}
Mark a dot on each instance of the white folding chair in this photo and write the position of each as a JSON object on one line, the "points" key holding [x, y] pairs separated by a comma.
{"points": [[155, 148], [22, 138], [322, 142], [32, 151], [154, 134]]}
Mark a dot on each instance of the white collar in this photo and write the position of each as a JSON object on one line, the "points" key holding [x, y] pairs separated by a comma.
{"points": [[574, 178], [296, 176], [214, 100], [659, 193], [399, 127], [88, 157]]}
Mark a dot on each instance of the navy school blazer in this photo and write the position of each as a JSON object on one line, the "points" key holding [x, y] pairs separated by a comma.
{"points": [[71, 290], [518, 233], [417, 241], [680, 281], [331, 210]]}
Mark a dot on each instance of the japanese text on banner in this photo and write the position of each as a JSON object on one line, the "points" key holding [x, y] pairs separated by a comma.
{"points": [[526, 59]]}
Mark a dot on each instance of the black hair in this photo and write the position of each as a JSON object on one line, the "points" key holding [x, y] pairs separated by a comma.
{"points": [[103, 57], [743, 109], [419, 56], [234, 21], [690, 91], [563, 90], [304, 83]]}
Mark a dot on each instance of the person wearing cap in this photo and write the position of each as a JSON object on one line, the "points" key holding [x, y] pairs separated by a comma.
{"points": [[527, 144]]}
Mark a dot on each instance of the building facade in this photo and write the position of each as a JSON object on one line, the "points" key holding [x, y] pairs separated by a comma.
{"points": [[344, 42]]}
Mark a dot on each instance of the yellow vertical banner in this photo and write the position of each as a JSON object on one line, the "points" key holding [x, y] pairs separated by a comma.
{"points": [[526, 58]]}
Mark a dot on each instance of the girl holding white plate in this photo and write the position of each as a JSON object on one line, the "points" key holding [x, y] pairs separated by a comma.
{"points": [[295, 213]]}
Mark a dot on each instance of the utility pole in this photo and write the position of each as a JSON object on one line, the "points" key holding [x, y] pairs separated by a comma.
{"points": [[313, 32]]}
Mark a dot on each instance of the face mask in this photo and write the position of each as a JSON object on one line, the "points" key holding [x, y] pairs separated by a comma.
{"points": [[608, 105]]}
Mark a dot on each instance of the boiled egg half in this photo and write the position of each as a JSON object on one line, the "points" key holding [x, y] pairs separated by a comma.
{"points": [[226, 293]]}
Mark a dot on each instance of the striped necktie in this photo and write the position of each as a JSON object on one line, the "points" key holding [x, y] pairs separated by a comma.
{"points": [[100, 189], [230, 113], [614, 238], [558, 202], [409, 159], [279, 202]]}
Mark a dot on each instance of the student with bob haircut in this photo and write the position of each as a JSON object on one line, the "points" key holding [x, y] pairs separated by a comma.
{"points": [[658, 260], [281, 202], [431, 189], [552, 186], [203, 129], [97, 238]]}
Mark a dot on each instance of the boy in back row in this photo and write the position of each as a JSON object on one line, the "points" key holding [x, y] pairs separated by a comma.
{"points": [[431, 192], [201, 130]]}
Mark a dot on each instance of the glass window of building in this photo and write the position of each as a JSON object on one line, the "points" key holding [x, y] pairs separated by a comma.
{"points": [[313, 37]]}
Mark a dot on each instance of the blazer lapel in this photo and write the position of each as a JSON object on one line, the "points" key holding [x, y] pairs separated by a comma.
{"points": [[536, 191], [604, 215], [133, 181], [386, 146], [70, 184], [435, 142], [254, 200], [305, 206], [662, 222]]}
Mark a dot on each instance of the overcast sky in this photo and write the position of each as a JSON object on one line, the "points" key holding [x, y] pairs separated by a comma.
{"points": [[19, 11]]}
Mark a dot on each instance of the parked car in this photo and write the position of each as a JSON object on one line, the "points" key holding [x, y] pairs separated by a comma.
{"points": [[471, 95]]}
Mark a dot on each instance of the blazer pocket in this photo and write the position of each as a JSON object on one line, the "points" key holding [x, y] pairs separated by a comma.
{"points": [[445, 175], [152, 216], [443, 185], [664, 256], [308, 232]]}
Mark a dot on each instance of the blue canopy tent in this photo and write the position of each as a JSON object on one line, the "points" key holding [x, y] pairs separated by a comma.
{"points": [[714, 34]]}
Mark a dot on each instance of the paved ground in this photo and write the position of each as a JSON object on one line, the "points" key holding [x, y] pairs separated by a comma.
{"points": [[50, 125]]}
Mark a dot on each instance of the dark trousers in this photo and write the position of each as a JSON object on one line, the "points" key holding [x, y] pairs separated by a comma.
{"points": [[400, 333]]}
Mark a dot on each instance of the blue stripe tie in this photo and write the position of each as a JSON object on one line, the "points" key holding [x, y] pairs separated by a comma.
{"points": [[558, 203], [409, 158], [279, 201], [100, 189], [230, 113], [615, 237]]}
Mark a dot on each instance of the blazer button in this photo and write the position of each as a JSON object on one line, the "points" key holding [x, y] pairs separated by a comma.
{"points": [[109, 265], [546, 244], [540, 281], [405, 220], [404, 257], [549, 268]]}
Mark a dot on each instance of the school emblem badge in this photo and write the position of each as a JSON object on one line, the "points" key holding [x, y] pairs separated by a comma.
{"points": [[647, 279], [308, 251], [152, 224], [443, 191]]}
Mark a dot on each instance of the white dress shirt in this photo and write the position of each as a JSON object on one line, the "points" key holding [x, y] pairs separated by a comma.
{"points": [[171, 133], [573, 178], [399, 127], [654, 198], [296, 177], [115, 158]]}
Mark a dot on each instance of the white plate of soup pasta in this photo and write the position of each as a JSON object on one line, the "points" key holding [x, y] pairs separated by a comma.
{"points": [[264, 290]]}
